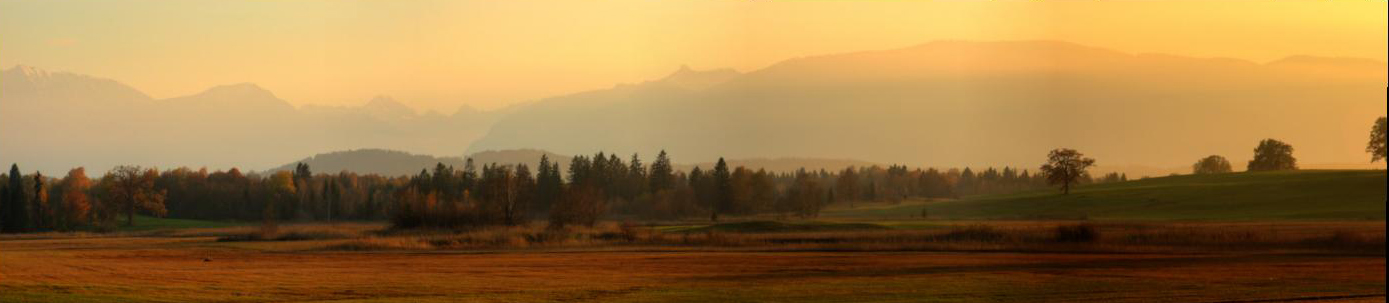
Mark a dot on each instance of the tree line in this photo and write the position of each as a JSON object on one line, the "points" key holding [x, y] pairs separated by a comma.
{"points": [[591, 188], [605, 186]]}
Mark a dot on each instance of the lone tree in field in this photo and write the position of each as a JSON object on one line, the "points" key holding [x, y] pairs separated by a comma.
{"points": [[1376, 147], [132, 190], [1273, 155], [1065, 167], [1215, 164]]}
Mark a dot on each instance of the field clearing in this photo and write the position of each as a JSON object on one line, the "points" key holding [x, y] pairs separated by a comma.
{"points": [[192, 265], [1303, 195], [1245, 237]]}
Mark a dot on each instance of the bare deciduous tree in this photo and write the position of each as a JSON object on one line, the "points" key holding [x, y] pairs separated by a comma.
{"points": [[1065, 166]]}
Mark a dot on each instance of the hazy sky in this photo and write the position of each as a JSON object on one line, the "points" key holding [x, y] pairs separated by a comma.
{"points": [[442, 54]]}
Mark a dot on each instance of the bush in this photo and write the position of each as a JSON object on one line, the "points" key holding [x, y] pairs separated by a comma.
{"points": [[1078, 233], [426, 212], [580, 205]]}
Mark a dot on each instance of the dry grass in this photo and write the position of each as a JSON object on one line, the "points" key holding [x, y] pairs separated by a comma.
{"points": [[287, 232], [1003, 236], [1357, 238], [199, 269]]}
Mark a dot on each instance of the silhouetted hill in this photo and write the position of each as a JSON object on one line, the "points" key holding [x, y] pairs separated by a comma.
{"points": [[372, 161], [398, 163]]}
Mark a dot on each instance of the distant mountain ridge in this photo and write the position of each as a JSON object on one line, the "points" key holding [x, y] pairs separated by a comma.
{"points": [[99, 123], [961, 103], [939, 104]]}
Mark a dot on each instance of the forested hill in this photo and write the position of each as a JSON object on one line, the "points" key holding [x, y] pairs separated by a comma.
{"points": [[398, 163]]}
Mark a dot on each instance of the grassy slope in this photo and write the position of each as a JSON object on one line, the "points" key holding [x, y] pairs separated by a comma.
{"points": [[1290, 195]]}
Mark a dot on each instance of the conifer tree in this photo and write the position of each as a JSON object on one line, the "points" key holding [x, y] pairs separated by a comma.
{"points": [[723, 190], [662, 175]]}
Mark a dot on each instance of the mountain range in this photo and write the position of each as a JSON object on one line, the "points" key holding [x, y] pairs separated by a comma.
{"points": [[957, 103], [942, 104], [52, 121]]}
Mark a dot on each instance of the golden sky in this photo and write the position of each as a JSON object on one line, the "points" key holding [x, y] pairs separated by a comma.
{"points": [[438, 55]]}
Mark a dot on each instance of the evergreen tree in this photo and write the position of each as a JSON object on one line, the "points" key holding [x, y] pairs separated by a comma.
{"points": [[549, 185], [579, 171], [17, 210], [525, 194], [38, 207], [469, 179], [635, 180], [662, 175], [443, 182], [723, 192], [966, 185], [301, 172]]}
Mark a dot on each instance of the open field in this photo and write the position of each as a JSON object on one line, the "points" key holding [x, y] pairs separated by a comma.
{"points": [[1293, 244], [1257, 196], [1282, 261]]}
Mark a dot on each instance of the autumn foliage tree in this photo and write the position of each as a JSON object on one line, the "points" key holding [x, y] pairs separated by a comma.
{"points": [[1064, 167], [282, 189], [580, 205], [132, 190]]}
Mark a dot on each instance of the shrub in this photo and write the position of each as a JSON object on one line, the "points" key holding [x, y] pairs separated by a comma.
{"points": [[1077, 233], [580, 205]]}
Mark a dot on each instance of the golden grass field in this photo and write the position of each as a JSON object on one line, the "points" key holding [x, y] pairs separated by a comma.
{"points": [[1013, 262]]}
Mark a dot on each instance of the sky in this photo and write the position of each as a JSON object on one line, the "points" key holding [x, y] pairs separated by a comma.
{"points": [[440, 55]]}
